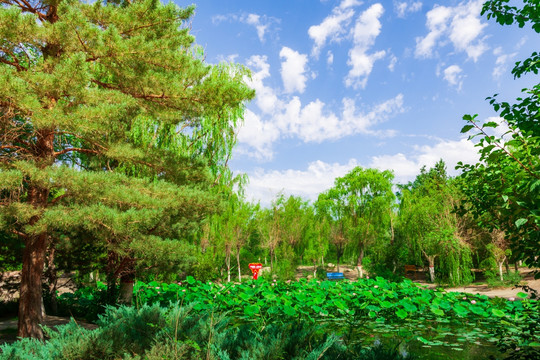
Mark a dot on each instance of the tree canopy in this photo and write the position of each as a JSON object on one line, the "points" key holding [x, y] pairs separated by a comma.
{"points": [[110, 123]]}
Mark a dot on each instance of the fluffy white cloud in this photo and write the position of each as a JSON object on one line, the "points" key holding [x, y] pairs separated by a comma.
{"points": [[365, 31], [256, 137], [319, 176], [329, 58], [333, 27], [461, 24], [453, 75], [501, 63], [266, 99], [307, 183], [293, 70], [407, 167], [402, 8], [255, 20], [283, 117]]}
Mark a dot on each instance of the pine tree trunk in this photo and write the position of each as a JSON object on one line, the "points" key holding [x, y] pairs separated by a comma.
{"points": [[111, 277], [31, 294], [126, 289], [127, 280], [31, 298], [52, 279]]}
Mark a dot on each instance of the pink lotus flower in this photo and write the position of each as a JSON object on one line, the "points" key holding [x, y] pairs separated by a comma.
{"points": [[473, 302], [376, 286], [511, 299], [464, 298]]}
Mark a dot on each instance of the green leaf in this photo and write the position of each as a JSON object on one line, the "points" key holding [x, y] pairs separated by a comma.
{"points": [[498, 313], [437, 311], [491, 124], [251, 310], [289, 310], [402, 314], [522, 295], [520, 222], [466, 128]]}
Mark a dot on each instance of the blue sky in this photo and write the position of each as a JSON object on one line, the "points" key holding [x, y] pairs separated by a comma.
{"points": [[342, 83]]}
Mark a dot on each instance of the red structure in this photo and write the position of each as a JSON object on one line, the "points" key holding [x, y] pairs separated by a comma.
{"points": [[255, 268]]}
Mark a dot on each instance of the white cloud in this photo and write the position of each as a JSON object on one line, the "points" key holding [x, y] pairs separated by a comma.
{"points": [[261, 23], [282, 117], [313, 123], [393, 62], [266, 98], [407, 167], [365, 31], [402, 8], [333, 27], [453, 75], [255, 20], [319, 176], [307, 183], [293, 70], [501, 63], [329, 58], [461, 25], [256, 137]]}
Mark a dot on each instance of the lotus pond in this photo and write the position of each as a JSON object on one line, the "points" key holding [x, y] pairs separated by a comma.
{"points": [[433, 323]]}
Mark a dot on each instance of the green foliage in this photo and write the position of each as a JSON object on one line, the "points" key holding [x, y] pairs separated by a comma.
{"points": [[176, 332], [373, 306], [359, 208], [503, 190], [111, 126], [85, 302], [428, 223]]}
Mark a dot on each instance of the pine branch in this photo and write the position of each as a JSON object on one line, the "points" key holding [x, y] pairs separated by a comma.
{"points": [[19, 233], [86, 151]]}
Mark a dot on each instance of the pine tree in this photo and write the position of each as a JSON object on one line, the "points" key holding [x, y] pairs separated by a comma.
{"points": [[82, 84]]}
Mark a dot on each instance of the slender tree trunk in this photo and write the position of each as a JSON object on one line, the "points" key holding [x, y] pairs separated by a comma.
{"points": [[501, 263], [431, 261], [31, 298], [228, 262], [507, 266], [238, 263], [359, 263], [516, 268]]}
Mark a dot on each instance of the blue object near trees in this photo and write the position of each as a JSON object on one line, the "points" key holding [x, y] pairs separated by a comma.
{"points": [[335, 276]]}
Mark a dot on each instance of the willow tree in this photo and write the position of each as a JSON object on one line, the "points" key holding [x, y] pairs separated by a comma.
{"points": [[429, 223], [78, 80], [364, 199]]}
